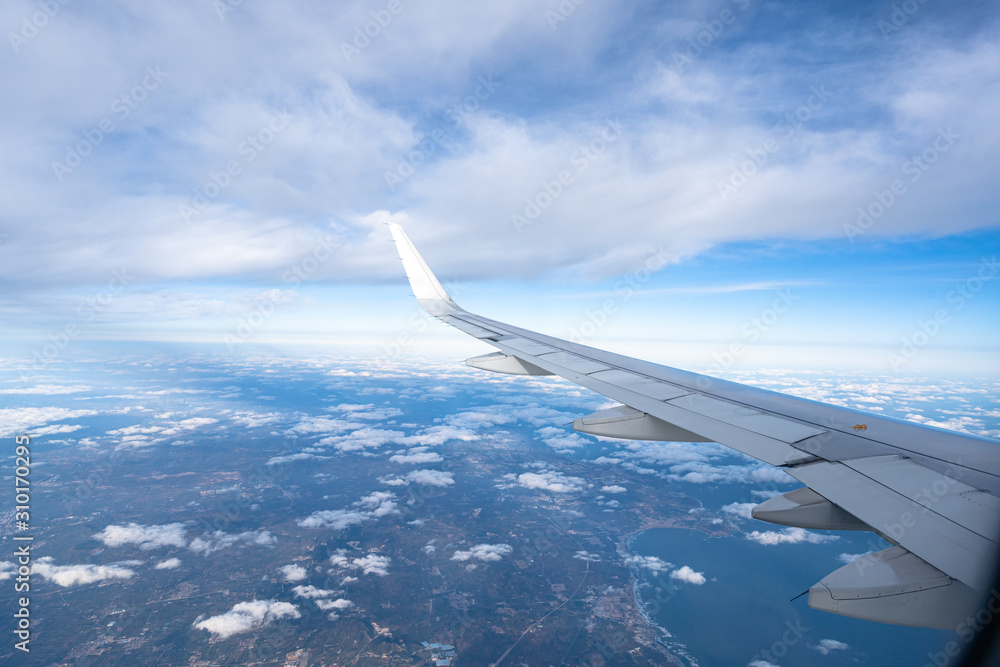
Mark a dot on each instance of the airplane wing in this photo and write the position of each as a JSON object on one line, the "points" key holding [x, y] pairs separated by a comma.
{"points": [[933, 494]]}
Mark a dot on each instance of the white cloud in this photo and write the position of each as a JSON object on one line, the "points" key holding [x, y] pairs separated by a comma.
{"points": [[293, 573], [613, 488], [18, 421], [340, 604], [312, 425], [373, 506], [247, 616], [7, 570], [211, 542], [687, 575], [587, 556], [739, 509], [146, 537], [291, 458], [362, 439], [651, 563], [48, 389], [76, 575], [789, 536], [485, 553], [827, 646], [425, 477], [169, 564], [416, 457], [311, 592], [555, 482], [761, 663], [367, 411], [335, 519], [369, 564], [846, 558], [372, 564]]}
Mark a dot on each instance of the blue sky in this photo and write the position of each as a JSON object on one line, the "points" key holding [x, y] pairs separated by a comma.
{"points": [[234, 163]]}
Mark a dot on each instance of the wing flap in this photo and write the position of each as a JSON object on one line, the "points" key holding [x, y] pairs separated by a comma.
{"points": [[640, 384], [574, 362], [779, 428], [945, 544], [935, 492]]}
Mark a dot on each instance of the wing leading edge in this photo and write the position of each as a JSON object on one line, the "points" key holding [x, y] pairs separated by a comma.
{"points": [[934, 494]]}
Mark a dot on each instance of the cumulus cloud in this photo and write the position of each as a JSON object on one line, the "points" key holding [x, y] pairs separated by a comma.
{"points": [[76, 575], [293, 573], [339, 604], [310, 592], [367, 411], [789, 536], [7, 570], [169, 564], [291, 458], [485, 553], [556, 482], [425, 477], [18, 421], [587, 556], [613, 488], [373, 506], [846, 558], [739, 509], [438, 435], [335, 519], [211, 542], [247, 616], [362, 439], [761, 663], [827, 646], [48, 389], [369, 564], [651, 563], [313, 425], [372, 564], [417, 457], [146, 537], [687, 575]]}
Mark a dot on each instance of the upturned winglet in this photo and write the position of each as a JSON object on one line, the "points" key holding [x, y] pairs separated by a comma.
{"points": [[431, 296]]}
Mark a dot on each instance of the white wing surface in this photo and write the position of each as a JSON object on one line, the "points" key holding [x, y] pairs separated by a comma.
{"points": [[934, 494]]}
